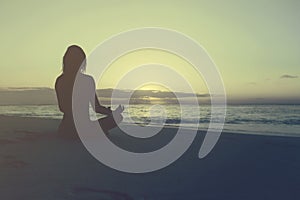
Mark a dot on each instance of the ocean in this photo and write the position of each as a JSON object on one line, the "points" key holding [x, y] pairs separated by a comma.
{"points": [[248, 119]]}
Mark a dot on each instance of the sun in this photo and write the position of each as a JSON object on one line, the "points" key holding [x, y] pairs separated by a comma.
{"points": [[152, 86]]}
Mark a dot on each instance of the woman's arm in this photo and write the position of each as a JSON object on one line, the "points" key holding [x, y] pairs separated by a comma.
{"points": [[101, 109], [95, 102]]}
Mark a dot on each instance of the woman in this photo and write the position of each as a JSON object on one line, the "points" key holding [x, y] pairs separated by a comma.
{"points": [[74, 61]]}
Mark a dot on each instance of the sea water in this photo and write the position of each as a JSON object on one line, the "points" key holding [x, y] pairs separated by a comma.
{"points": [[251, 119]]}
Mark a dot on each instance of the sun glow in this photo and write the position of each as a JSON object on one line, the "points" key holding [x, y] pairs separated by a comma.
{"points": [[153, 86]]}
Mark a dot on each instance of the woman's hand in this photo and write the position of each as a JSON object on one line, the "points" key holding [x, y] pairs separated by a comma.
{"points": [[119, 109]]}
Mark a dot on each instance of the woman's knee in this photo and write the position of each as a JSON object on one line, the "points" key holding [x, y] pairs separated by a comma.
{"points": [[118, 118]]}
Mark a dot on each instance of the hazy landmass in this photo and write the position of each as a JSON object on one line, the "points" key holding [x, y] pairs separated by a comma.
{"points": [[39, 96], [27, 96], [43, 96]]}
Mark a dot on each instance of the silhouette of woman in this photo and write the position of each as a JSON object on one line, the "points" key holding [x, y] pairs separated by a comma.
{"points": [[74, 61]]}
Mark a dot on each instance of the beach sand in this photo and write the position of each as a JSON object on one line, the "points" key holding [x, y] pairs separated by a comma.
{"points": [[36, 164]]}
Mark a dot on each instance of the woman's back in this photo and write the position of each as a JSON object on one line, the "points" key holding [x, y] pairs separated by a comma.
{"points": [[64, 88], [85, 89]]}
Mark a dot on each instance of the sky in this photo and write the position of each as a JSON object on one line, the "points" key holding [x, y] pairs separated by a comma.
{"points": [[255, 44]]}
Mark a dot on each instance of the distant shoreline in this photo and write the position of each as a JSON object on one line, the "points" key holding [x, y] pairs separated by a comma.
{"points": [[228, 104], [45, 96]]}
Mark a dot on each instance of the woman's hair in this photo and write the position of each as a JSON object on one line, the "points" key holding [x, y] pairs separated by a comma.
{"points": [[74, 60]]}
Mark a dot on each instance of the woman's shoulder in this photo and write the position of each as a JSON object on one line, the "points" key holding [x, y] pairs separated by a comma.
{"points": [[58, 79], [82, 78], [86, 81], [87, 78]]}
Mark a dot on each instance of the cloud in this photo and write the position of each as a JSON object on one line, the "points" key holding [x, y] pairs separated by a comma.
{"points": [[288, 76], [251, 83]]}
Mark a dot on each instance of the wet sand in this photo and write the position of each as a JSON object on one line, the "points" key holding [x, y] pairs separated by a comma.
{"points": [[36, 164]]}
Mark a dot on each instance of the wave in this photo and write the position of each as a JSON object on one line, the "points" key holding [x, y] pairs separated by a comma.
{"points": [[264, 121]]}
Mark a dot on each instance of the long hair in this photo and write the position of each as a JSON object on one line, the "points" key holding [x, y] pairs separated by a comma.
{"points": [[74, 60]]}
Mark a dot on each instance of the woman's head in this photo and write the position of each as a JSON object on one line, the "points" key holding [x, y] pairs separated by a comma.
{"points": [[74, 60]]}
